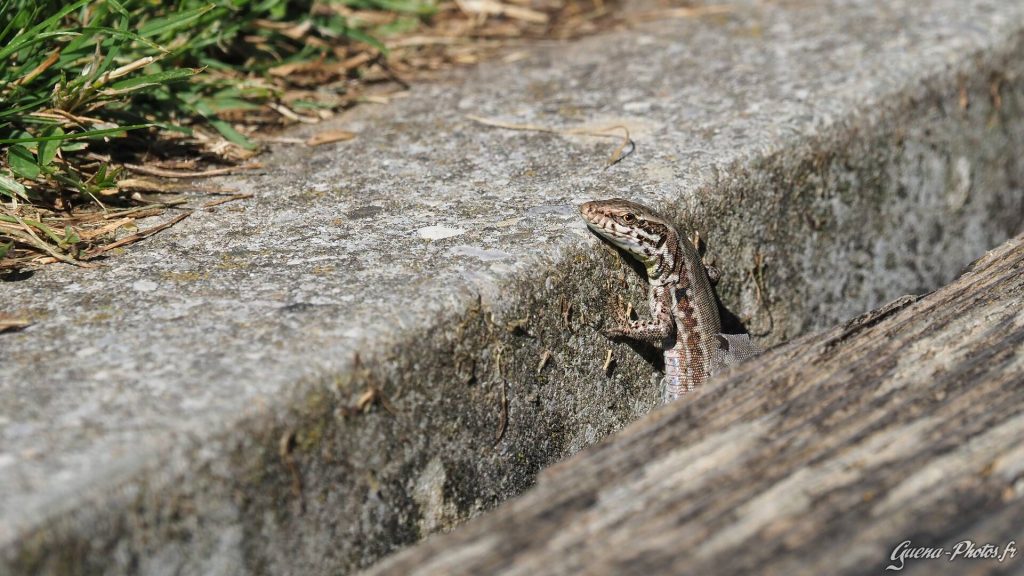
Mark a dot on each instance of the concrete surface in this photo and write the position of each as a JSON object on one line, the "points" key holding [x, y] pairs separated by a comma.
{"points": [[901, 425], [193, 408]]}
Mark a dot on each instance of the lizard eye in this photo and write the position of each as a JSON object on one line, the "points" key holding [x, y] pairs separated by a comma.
{"points": [[628, 218]]}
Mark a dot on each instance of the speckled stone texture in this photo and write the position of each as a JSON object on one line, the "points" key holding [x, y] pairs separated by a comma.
{"points": [[194, 406]]}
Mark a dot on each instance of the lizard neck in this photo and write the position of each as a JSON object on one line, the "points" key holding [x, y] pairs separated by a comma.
{"points": [[663, 263]]}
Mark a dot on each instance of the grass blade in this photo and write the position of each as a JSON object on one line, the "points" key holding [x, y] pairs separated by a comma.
{"points": [[36, 31], [124, 86], [75, 136], [159, 26], [12, 187]]}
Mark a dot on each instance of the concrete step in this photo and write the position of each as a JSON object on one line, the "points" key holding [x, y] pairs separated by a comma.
{"points": [[398, 332], [841, 452]]}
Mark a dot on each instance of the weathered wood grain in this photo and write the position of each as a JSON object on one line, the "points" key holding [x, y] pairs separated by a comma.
{"points": [[819, 457]]}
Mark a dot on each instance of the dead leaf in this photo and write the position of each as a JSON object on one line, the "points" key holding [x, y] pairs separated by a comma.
{"points": [[220, 201], [330, 136], [12, 323], [191, 174], [493, 8]]}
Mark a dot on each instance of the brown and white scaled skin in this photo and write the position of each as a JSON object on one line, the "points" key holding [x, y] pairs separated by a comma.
{"points": [[684, 322]]}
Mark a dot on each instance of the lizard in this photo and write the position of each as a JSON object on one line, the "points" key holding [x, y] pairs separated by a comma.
{"points": [[685, 322]]}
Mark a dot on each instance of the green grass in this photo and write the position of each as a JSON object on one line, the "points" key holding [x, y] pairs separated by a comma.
{"points": [[71, 75], [88, 85], [91, 87]]}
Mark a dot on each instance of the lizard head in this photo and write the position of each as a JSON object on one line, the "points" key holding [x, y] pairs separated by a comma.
{"points": [[629, 226]]}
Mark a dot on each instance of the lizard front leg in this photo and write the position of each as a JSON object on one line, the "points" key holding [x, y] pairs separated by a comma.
{"points": [[657, 330]]}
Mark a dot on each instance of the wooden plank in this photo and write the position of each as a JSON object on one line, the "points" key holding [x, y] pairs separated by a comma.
{"points": [[819, 457]]}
